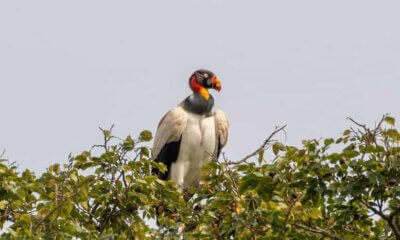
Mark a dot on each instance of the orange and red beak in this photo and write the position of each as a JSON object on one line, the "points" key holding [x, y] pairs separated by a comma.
{"points": [[216, 83]]}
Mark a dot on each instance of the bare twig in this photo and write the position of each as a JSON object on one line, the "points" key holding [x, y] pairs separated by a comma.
{"points": [[266, 141], [2, 154], [382, 120], [229, 170], [106, 138], [363, 126]]}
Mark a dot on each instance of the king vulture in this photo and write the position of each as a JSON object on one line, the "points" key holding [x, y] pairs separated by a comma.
{"points": [[191, 134]]}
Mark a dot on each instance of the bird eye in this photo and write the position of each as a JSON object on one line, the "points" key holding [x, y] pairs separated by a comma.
{"points": [[208, 81], [205, 75]]}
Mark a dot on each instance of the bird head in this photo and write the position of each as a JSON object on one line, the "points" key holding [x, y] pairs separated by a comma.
{"points": [[201, 80]]}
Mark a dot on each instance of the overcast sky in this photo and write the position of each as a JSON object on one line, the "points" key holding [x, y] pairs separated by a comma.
{"points": [[68, 67]]}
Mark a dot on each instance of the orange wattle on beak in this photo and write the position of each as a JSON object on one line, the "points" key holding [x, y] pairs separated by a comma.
{"points": [[216, 84]]}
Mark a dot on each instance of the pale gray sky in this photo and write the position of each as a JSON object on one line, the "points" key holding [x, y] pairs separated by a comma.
{"points": [[67, 67]]}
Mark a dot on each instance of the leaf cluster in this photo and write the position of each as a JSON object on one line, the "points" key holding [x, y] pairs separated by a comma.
{"points": [[343, 188]]}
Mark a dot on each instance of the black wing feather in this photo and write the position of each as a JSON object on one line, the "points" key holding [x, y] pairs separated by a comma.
{"points": [[168, 155], [219, 149]]}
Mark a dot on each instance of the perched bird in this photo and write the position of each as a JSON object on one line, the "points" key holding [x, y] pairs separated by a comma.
{"points": [[191, 134]]}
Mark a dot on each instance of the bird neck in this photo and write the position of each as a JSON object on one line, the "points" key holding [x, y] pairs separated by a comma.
{"points": [[198, 88], [197, 104]]}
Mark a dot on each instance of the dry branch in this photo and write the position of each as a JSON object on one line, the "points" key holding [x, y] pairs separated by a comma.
{"points": [[267, 141]]}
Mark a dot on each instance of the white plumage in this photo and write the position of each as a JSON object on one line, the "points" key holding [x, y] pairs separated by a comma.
{"points": [[201, 138], [191, 134]]}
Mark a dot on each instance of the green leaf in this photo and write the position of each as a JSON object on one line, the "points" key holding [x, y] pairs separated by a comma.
{"points": [[328, 141], [117, 194], [207, 168], [276, 198], [144, 151], [25, 218], [346, 132], [260, 156], [249, 182], [3, 204], [150, 179], [389, 120], [66, 208], [107, 134], [16, 204], [128, 144], [55, 168], [143, 198], [145, 136], [212, 214], [73, 176], [315, 213], [278, 147], [160, 166], [392, 133]]}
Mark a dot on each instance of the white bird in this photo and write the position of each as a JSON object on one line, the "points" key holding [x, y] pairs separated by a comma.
{"points": [[191, 134]]}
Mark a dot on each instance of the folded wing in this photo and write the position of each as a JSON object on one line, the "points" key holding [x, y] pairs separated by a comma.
{"points": [[168, 139], [221, 128]]}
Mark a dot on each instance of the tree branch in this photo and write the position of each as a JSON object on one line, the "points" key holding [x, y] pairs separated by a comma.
{"points": [[266, 141], [59, 204], [235, 187], [318, 231], [2, 154], [388, 219], [291, 207]]}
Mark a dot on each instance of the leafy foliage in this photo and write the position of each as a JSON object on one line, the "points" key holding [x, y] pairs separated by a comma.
{"points": [[343, 188]]}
